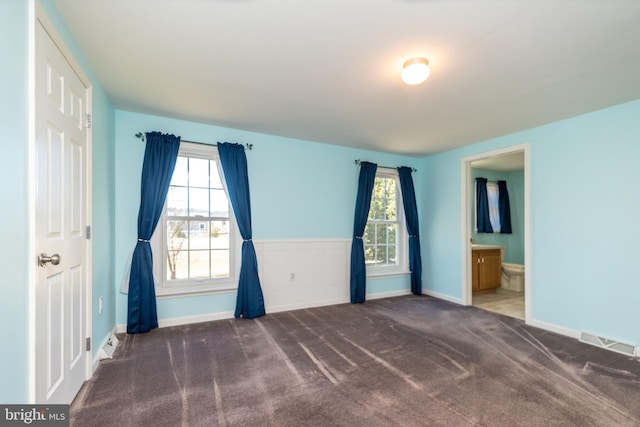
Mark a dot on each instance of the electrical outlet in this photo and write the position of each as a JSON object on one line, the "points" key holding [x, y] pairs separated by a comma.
{"points": [[100, 303]]}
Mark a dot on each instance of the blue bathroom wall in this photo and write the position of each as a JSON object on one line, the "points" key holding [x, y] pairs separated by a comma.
{"points": [[584, 220], [299, 190], [515, 248], [513, 243]]}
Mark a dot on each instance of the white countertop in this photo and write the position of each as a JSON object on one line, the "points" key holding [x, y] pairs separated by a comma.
{"points": [[481, 246]]}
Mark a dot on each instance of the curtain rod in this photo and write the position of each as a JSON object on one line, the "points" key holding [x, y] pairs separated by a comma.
{"points": [[489, 180], [140, 135], [357, 161]]}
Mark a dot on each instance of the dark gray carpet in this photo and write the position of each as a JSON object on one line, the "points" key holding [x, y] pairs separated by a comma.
{"points": [[406, 361]]}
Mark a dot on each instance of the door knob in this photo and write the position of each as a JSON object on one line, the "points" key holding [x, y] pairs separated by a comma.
{"points": [[43, 258]]}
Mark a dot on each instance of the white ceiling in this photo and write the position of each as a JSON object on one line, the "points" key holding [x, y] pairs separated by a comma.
{"points": [[328, 70]]}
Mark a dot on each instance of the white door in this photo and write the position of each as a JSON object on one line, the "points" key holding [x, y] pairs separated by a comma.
{"points": [[61, 218]]}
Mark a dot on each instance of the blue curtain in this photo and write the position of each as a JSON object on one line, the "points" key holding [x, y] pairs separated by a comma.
{"points": [[249, 302], [483, 223], [504, 208], [411, 215], [160, 157], [358, 282]]}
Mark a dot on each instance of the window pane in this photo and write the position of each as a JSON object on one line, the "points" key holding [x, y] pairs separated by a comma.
{"points": [[391, 233], [383, 200], [198, 172], [391, 253], [219, 234], [220, 263], [198, 202], [177, 201], [199, 264], [369, 254], [180, 173], [376, 209], [390, 199], [219, 204], [381, 254], [177, 262], [198, 235], [215, 176], [381, 233], [177, 235], [369, 234]]}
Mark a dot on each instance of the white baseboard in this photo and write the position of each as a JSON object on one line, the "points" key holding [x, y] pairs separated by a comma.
{"points": [[568, 332], [186, 320], [302, 306], [443, 297], [572, 333], [389, 294], [561, 330]]}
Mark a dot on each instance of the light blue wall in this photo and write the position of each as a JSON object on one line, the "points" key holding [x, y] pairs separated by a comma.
{"points": [[14, 233], [513, 243], [103, 187], [16, 259], [584, 220], [584, 207], [299, 190]]}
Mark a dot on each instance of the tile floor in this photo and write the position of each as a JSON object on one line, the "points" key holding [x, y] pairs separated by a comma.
{"points": [[503, 301]]}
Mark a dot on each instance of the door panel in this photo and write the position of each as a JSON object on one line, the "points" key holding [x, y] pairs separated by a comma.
{"points": [[61, 217], [76, 299], [54, 340]]}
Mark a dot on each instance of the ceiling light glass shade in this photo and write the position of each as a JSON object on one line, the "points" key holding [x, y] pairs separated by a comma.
{"points": [[415, 71]]}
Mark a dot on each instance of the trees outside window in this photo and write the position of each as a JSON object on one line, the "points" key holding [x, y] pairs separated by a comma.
{"points": [[385, 234]]}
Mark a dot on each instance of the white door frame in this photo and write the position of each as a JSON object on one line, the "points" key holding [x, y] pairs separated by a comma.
{"points": [[466, 204], [41, 18]]}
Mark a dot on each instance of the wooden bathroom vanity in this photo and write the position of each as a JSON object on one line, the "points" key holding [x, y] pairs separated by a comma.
{"points": [[485, 270]]}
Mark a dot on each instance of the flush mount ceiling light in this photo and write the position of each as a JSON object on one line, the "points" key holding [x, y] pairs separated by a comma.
{"points": [[415, 71]]}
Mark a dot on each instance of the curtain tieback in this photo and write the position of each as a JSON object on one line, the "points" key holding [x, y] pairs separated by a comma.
{"points": [[412, 235], [359, 237], [247, 240], [144, 240]]}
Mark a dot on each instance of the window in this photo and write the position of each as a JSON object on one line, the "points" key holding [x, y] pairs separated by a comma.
{"points": [[493, 197], [194, 241], [499, 212], [385, 237]]}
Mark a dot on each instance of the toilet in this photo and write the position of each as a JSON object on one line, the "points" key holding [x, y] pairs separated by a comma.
{"points": [[513, 277]]}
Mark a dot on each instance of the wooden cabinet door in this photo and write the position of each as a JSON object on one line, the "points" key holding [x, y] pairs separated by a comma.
{"points": [[486, 266], [490, 267]]}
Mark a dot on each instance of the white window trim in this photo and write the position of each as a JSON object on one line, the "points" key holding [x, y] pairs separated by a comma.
{"points": [[163, 288], [402, 239]]}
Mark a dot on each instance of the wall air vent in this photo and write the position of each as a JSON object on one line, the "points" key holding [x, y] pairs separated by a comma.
{"points": [[606, 343], [109, 348]]}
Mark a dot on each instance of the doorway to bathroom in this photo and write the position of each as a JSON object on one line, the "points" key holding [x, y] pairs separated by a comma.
{"points": [[496, 265]]}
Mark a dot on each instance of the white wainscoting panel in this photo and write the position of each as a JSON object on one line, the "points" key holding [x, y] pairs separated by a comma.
{"points": [[303, 273]]}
